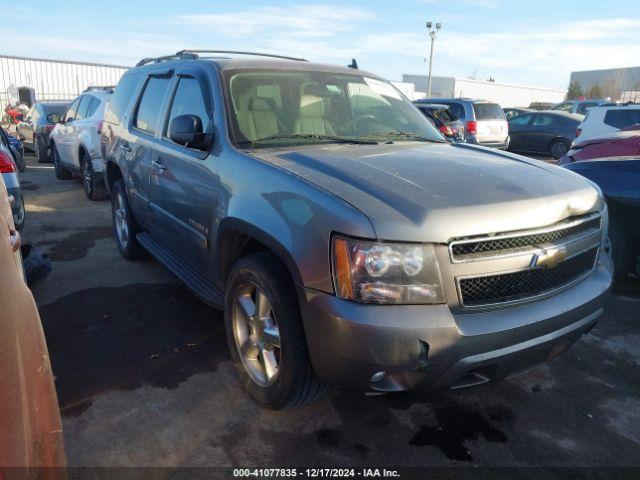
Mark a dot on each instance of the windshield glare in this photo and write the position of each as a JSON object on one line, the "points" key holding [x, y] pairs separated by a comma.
{"points": [[315, 107]]}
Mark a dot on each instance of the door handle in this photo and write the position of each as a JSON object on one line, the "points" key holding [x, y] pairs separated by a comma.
{"points": [[158, 165], [126, 148]]}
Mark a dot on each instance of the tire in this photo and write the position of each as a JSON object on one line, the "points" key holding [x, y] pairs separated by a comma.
{"points": [[18, 218], [292, 382], [61, 172], [558, 148], [41, 157], [621, 248], [94, 187], [125, 226]]}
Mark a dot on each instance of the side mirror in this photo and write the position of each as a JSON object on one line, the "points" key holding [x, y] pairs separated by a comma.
{"points": [[54, 118], [187, 130]]}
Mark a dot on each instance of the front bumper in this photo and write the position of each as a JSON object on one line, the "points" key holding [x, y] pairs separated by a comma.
{"points": [[431, 347]]}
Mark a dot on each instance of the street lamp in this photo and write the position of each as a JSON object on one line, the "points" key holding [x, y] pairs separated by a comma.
{"points": [[431, 31]]}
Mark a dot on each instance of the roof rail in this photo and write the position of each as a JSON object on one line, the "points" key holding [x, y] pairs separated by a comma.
{"points": [[182, 55], [238, 52]]}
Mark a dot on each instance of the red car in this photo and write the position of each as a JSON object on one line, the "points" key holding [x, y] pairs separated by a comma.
{"points": [[625, 143]]}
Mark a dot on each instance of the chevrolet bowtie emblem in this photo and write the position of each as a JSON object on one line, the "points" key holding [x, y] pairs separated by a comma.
{"points": [[548, 257]]}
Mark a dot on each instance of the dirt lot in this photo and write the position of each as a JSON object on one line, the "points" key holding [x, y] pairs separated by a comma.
{"points": [[144, 377]]}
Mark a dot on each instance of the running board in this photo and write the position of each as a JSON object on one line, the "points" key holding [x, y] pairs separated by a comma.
{"points": [[203, 288]]}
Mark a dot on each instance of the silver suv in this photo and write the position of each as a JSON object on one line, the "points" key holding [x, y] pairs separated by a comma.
{"points": [[485, 123], [347, 242], [75, 141]]}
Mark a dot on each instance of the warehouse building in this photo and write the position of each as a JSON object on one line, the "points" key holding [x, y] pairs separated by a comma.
{"points": [[54, 79], [616, 83], [504, 94]]}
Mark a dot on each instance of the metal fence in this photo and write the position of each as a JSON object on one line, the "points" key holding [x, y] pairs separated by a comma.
{"points": [[54, 79]]}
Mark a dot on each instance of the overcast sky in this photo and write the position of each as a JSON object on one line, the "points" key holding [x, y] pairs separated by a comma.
{"points": [[522, 42]]}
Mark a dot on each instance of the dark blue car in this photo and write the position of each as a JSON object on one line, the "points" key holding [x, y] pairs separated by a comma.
{"points": [[546, 133], [16, 148]]}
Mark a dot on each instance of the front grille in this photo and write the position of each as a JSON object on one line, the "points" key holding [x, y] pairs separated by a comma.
{"points": [[488, 247], [508, 287]]}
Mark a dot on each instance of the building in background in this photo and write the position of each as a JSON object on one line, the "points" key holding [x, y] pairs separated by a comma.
{"points": [[53, 79], [505, 95], [609, 83]]}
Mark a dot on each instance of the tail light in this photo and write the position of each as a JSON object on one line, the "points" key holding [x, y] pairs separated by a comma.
{"points": [[578, 132], [6, 163], [446, 129], [48, 128], [472, 128]]}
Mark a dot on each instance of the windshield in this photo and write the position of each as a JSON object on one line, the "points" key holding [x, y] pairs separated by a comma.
{"points": [[58, 108], [274, 107]]}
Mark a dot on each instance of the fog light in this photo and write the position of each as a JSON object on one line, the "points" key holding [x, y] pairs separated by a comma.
{"points": [[376, 377]]}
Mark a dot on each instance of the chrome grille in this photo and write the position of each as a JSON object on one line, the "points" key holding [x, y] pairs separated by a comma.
{"points": [[508, 287], [462, 250]]}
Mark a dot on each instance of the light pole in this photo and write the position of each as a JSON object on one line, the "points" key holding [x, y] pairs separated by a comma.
{"points": [[432, 33]]}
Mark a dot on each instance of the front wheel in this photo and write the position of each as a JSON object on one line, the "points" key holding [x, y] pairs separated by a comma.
{"points": [[61, 172], [265, 334], [558, 148], [18, 218], [42, 154]]}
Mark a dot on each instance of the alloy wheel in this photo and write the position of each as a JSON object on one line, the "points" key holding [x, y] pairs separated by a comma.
{"points": [[256, 334], [120, 220]]}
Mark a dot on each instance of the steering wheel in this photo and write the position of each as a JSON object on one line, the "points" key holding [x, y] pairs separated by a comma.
{"points": [[353, 122]]}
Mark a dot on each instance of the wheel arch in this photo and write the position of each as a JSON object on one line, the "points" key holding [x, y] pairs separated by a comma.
{"points": [[237, 238], [113, 174]]}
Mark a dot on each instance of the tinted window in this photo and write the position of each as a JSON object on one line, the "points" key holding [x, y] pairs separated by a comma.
{"points": [[488, 111], [71, 112], [83, 109], [58, 108], [582, 108], [564, 107], [148, 114], [544, 121], [456, 109], [93, 106], [120, 99], [622, 118], [520, 120], [189, 100]]}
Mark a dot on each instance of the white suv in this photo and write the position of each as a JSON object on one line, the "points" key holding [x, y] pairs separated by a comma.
{"points": [[75, 141], [605, 120]]}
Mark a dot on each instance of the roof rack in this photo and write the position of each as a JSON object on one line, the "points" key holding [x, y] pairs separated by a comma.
{"points": [[193, 55]]}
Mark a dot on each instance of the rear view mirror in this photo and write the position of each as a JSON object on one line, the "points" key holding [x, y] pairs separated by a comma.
{"points": [[187, 130], [54, 118]]}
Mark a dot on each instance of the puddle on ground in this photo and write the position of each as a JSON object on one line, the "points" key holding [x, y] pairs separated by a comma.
{"points": [[75, 246]]}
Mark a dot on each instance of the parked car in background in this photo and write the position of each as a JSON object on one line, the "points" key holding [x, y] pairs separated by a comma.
{"points": [[16, 148], [625, 143], [546, 132], [268, 186], [603, 120], [30, 427], [9, 171], [75, 141], [578, 106], [541, 105], [440, 115], [35, 130], [511, 112], [484, 122], [619, 180]]}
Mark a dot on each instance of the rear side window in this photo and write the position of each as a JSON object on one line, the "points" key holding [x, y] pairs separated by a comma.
{"points": [[456, 110], [120, 99], [93, 106], [149, 109], [488, 111], [73, 109], [622, 118], [189, 100], [520, 120], [544, 121]]}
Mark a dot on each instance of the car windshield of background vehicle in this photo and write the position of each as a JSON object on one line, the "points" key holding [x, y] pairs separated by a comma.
{"points": [[273, 108], [488, 111]]}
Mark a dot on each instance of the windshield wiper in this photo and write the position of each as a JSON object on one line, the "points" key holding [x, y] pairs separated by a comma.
{"points": [[313, 136], [410, 135]]}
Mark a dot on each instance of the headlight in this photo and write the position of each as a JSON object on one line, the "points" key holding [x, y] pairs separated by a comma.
{"points": [[374, 272]]}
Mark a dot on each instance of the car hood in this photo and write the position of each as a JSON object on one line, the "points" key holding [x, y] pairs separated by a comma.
{"points": [[434, 192]]}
